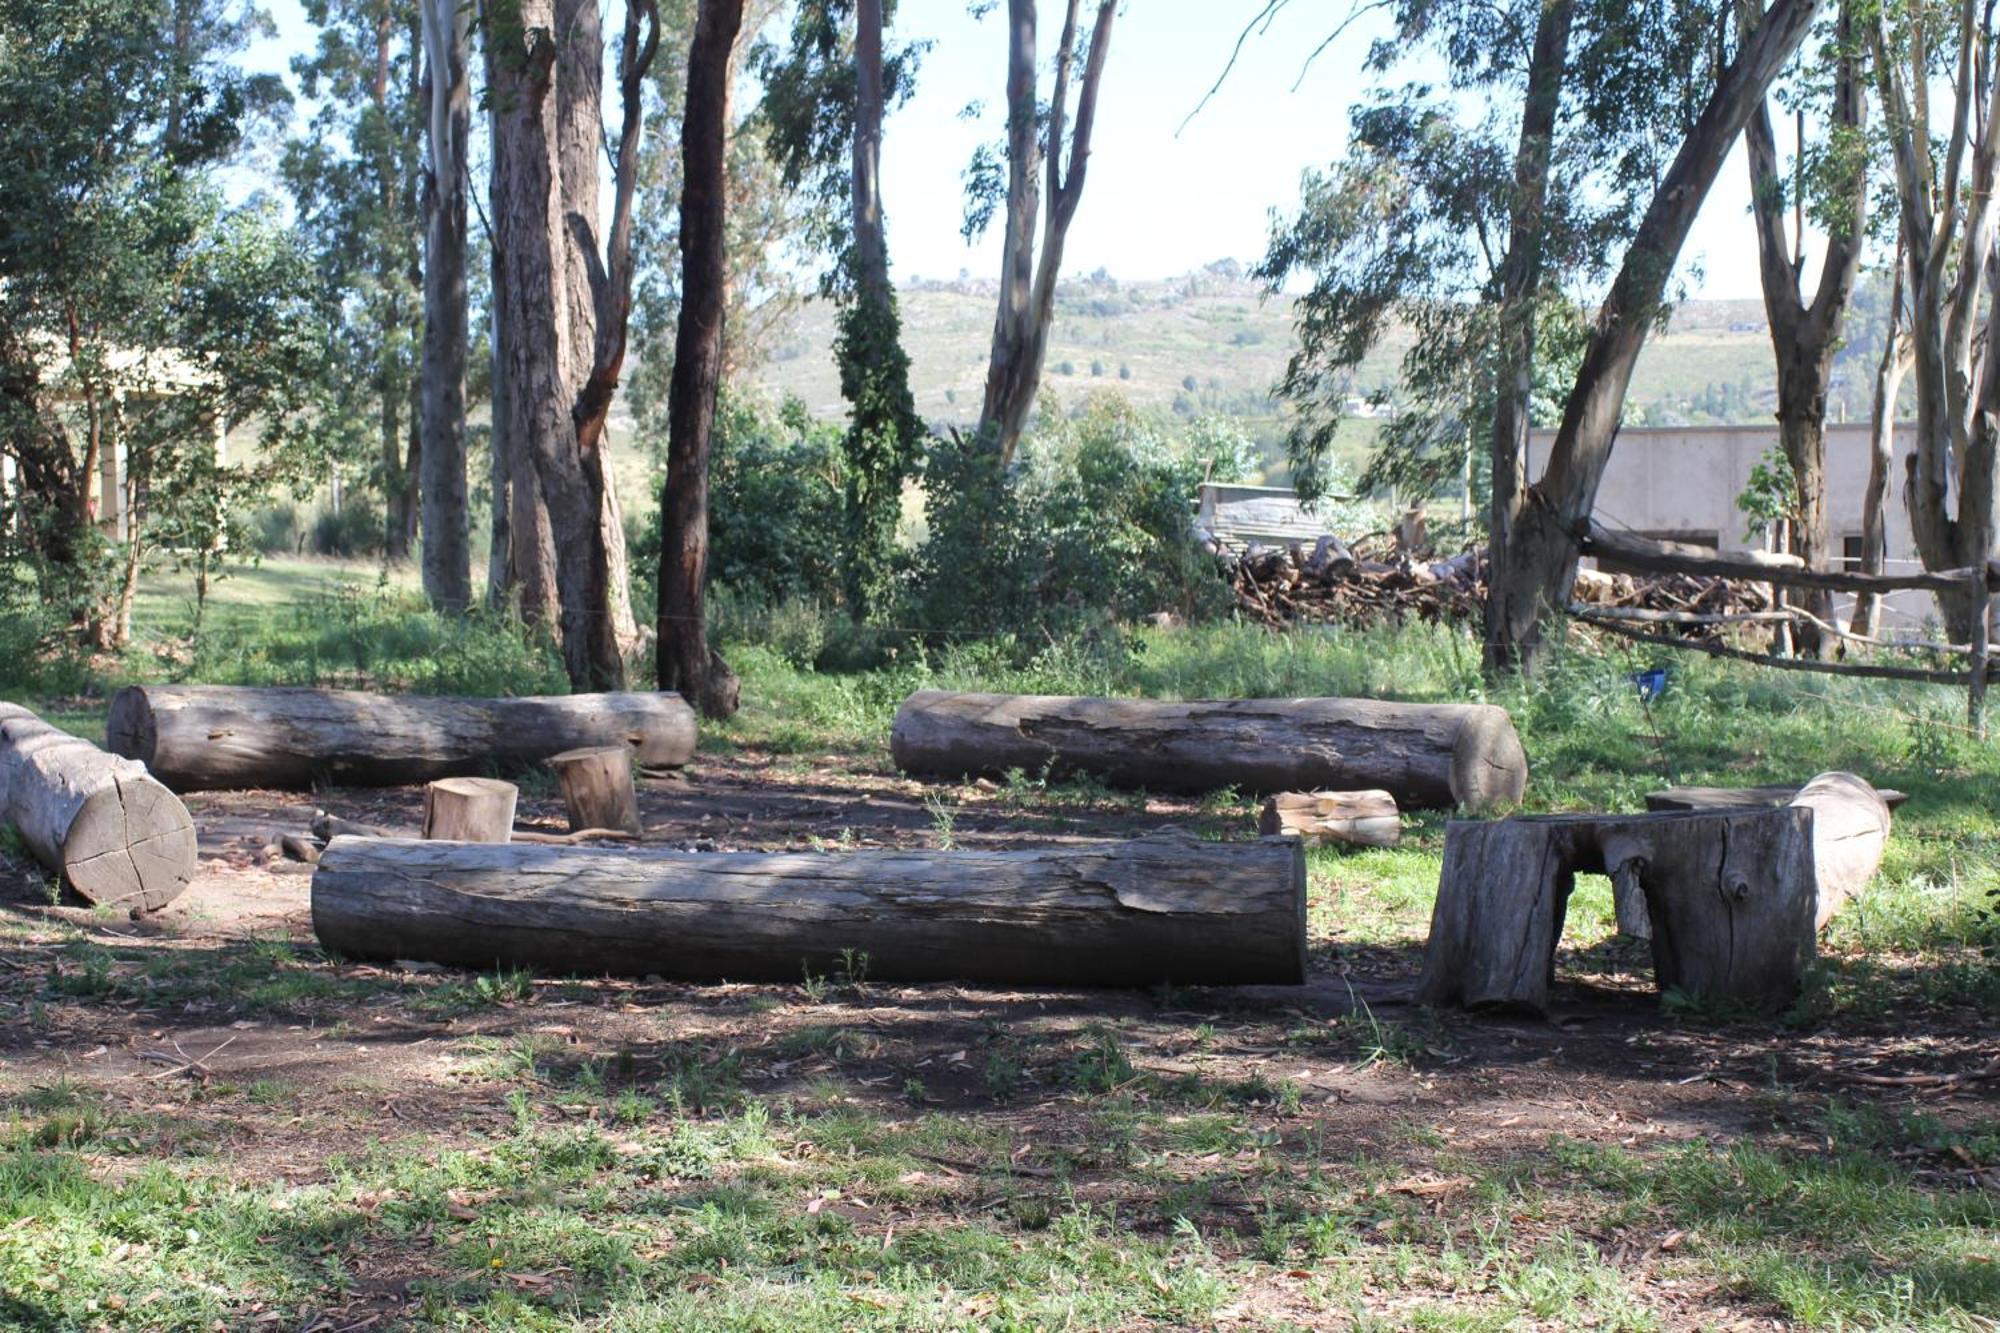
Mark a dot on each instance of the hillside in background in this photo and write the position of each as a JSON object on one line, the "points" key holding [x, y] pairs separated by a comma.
{"points": [[1211, 341]]}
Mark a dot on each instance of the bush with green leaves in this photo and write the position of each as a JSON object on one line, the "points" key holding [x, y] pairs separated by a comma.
{"points": [[1090, 527], [776, 508]]}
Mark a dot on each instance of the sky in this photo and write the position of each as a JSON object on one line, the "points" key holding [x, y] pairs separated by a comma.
{"points": [[1164, 194]]}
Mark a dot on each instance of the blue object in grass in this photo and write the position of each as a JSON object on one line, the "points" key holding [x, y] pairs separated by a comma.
{"points": [[1652, 683]]}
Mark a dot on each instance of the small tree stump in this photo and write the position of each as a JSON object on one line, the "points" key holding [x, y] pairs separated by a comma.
{"points": [[1363, 818], [1730, 895], [597, 788], [469, 810]]}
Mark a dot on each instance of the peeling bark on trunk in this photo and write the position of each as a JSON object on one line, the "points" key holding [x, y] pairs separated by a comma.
{"points": [[1028, 282], [1520, 286], [1889, 373], [537, 388], [686, 662], [1533, 580], [447, 560], [1947, 239], [1806, 337]]}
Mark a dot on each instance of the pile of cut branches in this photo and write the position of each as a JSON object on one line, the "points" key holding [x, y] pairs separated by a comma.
{"points": [[1334, 583]]}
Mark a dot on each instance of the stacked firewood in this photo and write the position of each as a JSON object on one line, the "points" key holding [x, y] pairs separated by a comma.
{"points": [[1332, 582]]}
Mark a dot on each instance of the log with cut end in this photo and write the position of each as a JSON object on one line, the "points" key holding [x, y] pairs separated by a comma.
{"points": [[1163, 908], [597, 788], [470, 810], [1851, 821], [114, 834], [1730, 895], [195, 737], [1362, 818], [1429, 756]]}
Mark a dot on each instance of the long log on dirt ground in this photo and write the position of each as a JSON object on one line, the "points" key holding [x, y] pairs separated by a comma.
{"points": [[1165, 908], [196, 737], [1730, 896], [113, 833], [1425, 755]]}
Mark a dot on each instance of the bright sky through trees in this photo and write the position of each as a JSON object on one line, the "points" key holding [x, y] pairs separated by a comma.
{"points": [[1162, 199]]}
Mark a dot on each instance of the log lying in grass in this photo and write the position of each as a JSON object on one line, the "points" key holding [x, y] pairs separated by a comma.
{"points": [[204, 736], [1163, 908], [1362, 818], [1731, 896], [1850, 832], [113, 833], [1425, 755]]}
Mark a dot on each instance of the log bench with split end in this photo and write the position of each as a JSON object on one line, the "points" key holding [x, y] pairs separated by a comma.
{"points": [[196, 737], [1163, 908], [1427, 756], [1850, 831], [114, 834], [1730, 895]]}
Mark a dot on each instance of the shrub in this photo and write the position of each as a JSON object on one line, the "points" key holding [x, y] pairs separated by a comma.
{"points": [[776, 517], [1090, 528]]}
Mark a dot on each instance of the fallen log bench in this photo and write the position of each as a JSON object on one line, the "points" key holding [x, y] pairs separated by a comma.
{"points": [[1427, 756], [1164, 908], [1850, 831], [195, 737], [115, 834], [1731, 896], [1360, 818]]}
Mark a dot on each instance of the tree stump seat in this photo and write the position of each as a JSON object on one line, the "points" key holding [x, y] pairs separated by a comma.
{"points": [[1732, 894]]}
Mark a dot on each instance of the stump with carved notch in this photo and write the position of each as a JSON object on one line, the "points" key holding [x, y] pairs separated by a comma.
{"points": [[1731, 896]]}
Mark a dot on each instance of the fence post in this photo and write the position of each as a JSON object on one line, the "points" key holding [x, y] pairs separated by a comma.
{"points": [[1975, 702]]}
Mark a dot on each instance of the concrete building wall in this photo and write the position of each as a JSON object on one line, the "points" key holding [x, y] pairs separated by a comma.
{"points": [[1682, 482]]}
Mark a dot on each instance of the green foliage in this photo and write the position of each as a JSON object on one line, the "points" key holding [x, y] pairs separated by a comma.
{"points": [[883, 444], [136, 307], [1771, 495], [1091, 526], [776, 516]]}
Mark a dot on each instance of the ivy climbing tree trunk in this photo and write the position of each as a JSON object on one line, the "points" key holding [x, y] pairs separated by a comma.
{"points": [[884, 436], [1532, 581], [686, 662], [1028, 281]]}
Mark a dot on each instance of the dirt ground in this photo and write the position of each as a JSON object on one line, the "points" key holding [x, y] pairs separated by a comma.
{"points": [[1607, 1069]]}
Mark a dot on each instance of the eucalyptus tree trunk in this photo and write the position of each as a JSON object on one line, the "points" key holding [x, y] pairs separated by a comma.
{"points": [[447, 563], [1520, 286], [537, 389], [871, 242], [1947, 240], [579, 145], [1889, 372], [1533, 580], [686, 662], [522, 559], [1028, 281], [1806, 337]]}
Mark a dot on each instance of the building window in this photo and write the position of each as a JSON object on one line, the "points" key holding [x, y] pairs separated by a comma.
{"points": [[1850, 552]]}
